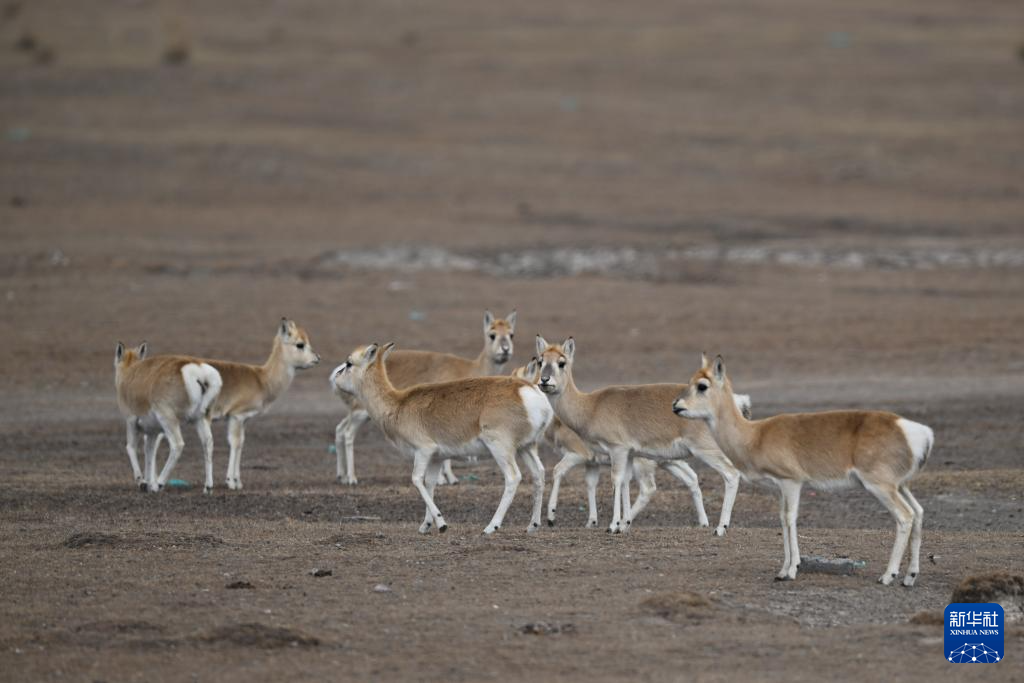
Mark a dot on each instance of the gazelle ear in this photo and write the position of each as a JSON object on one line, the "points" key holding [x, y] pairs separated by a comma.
{"points": [[719, 370], [531, 367], [488, 321], [703, 360], [142, 350], [388, 348], [119, 352], [542, 345], [569, 348], [370, 352], [283, 329], [511, 320]]}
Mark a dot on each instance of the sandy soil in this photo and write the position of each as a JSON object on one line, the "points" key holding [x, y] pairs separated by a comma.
{"points": [[831, 197]]}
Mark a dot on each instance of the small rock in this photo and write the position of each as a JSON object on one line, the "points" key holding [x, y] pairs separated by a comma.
{"points": [[382, 588], [321, 572], [829, 565], [239, 585], [542, 628]]}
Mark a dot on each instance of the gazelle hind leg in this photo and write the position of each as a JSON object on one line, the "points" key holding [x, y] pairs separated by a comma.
{"points": [[448, 476], [684, 473], [536, 468], [206, 439], [901, 510], [791, 492], [422, 461], [172, 429], [565, 465], [432, 474], [915, 537], [505, 455], [784, 521], [150, 446], [236, 439], [644, 475], [592, 476], [620, 470]]}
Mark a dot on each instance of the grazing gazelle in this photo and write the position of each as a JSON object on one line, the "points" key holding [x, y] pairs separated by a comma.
{"points": [[154, 395], [575, 452], [622, 420], [882, 451], [504, 416], [250, 389], [408, 368]]}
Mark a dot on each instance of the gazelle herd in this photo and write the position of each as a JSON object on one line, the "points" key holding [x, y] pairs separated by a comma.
{"points": [[437, 407]]}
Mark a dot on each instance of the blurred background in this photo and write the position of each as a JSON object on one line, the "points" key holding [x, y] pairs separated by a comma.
{"points": [[820, 188]]}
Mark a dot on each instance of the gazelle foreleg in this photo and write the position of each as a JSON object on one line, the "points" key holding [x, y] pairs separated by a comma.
{"points": [[505, 455], [684, 473], [569, 460], [131, 445], [901, 510], [592, 476], [432, 474], [915, 538], [620, 471], [345, 443], [731, 476], [789, 506], [172, 429], [536, 469], [206, 439], [236, 439], [422, 462], [448, 476]]}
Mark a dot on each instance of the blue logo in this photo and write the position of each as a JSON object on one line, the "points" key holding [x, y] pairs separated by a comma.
{"points": [[974, 633]]}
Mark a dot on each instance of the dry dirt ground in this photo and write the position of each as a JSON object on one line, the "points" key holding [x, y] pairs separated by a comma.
{"points": [[830, 195]]}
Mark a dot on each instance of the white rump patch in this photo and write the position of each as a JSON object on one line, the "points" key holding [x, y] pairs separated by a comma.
{"points": [[742, 402], [919, 438], [202, 384], [538, 409]]}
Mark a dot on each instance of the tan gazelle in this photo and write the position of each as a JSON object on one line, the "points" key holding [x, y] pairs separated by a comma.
{"points": [[503, 416], [880, 450], [251, 389], [154, 396], [408, 368], [623, 420]]}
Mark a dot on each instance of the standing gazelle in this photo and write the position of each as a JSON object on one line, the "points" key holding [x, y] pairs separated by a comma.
{"points": [[408, 368], [250, 389], [154, 395], [623, 420], [882, 451], [434, 422]]}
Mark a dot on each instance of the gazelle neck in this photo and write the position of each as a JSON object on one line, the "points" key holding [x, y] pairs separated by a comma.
{"points": [[485, 366], [377, 392], [571, 405], [277, 373], [733, 432]]}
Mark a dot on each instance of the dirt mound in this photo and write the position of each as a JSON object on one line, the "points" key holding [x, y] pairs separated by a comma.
{"points": [[258, 635], [933, 618], [683, 606], [999, 587]]}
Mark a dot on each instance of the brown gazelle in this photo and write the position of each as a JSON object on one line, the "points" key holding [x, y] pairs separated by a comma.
{"points": [[575, 452], [154, 395], [623, 420], [250, 389], [408, 368], [504, 416], [882, 451]]}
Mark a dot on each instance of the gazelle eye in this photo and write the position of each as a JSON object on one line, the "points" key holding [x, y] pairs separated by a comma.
{"points": [[300, 345], [561, 363], [511, 335], [701, 388], [492, 337]]}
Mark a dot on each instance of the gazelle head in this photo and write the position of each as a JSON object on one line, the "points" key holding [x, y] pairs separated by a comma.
{"points": [[555, 364], [529, 372], [295, 347], [498, 335], [124, 357], [349, 375], [708, 392]]}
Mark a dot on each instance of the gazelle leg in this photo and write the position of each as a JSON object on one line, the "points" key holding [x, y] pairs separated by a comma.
{"points": [[791, 493], [536, 469], [504, 454], [150, 446], [731, 476], [903, 513], [684, 473], [620, 468], [915, 537], [236, 439], [422, 461], [569, 460], [432, 474], [592, 475], [341, 453], [643, 474], [206, 439], [131, 445], [784, 521], [172, 429], [355, 421], [448, 476]]}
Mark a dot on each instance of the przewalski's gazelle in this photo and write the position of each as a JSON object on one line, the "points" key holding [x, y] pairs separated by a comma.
{"points": [[155, 395], [623, 420], [575, 452], [250, 389], [504, 416], [408, 368], [880, 450]]}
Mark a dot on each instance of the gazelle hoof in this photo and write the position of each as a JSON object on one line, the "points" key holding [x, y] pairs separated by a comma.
{"points": [[591, 524], [143, 486], [720, 531], [551, 522], [533, 527], [442, 528], [909, 579], [207, 490], [345, 481], [887, 579]]}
